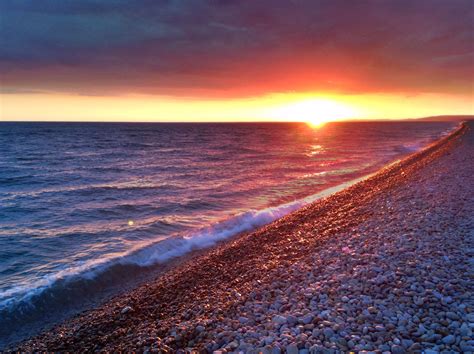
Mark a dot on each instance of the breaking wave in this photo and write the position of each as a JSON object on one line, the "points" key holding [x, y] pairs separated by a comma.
{"points": [[91, 273]]}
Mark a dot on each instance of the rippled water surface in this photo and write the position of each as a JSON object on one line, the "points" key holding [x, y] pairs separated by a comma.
{"points": [[77, 199]]}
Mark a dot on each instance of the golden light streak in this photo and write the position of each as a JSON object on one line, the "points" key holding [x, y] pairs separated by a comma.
{"points": [[308, 107]]}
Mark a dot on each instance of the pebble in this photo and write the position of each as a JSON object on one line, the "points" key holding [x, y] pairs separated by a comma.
{"points": [[200, 329], [308, 319], [292, 349], [328, 332], [449, 339], [465, 331], [451, 315], [278, 319], [396, 349], [126, 309]]}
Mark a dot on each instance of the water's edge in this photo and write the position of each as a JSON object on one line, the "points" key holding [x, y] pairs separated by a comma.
{"points": [[72, 295]]}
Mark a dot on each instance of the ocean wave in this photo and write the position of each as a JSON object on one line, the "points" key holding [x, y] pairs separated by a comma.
{"points": [[411, 147], [152, 253], [421, 143], [95, 188]]}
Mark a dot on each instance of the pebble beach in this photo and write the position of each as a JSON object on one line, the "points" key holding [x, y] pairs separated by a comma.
{"points": [[384, 266]]}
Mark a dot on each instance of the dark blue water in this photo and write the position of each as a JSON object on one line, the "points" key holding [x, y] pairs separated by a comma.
{"points": [[79, 202]]}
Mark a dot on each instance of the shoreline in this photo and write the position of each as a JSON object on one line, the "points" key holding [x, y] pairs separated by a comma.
{"points": [[29, 327], [228, 273]]}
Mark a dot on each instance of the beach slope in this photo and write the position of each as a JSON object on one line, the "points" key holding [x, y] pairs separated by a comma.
{"points": [[383, 265]]}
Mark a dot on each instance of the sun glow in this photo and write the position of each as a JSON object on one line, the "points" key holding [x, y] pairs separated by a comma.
{"points": [[314, 108], [313, 111]]}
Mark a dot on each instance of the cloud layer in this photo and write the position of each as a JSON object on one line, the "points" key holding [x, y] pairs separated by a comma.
{"points": [[225, 48]]}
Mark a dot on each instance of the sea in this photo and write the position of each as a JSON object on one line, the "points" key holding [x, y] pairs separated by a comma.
{"points": [[87, 209]]}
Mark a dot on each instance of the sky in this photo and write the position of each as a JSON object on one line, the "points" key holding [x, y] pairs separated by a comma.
{"points": [[231, 60]]}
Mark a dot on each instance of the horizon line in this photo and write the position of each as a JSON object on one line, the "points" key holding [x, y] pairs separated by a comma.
{"points": [[446, 116]]}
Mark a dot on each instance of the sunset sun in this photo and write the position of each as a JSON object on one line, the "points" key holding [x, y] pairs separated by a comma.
{"points": [[313, 111]]}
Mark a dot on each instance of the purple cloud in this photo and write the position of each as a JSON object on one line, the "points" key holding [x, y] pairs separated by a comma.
{"points": [[237, 48]]}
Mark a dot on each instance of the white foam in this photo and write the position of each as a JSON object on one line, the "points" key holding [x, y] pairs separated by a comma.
{"points": [[416, 146], [207, 237]]}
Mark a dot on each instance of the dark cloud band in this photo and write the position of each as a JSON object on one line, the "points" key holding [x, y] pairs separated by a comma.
{"points": [[236, 48]]}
